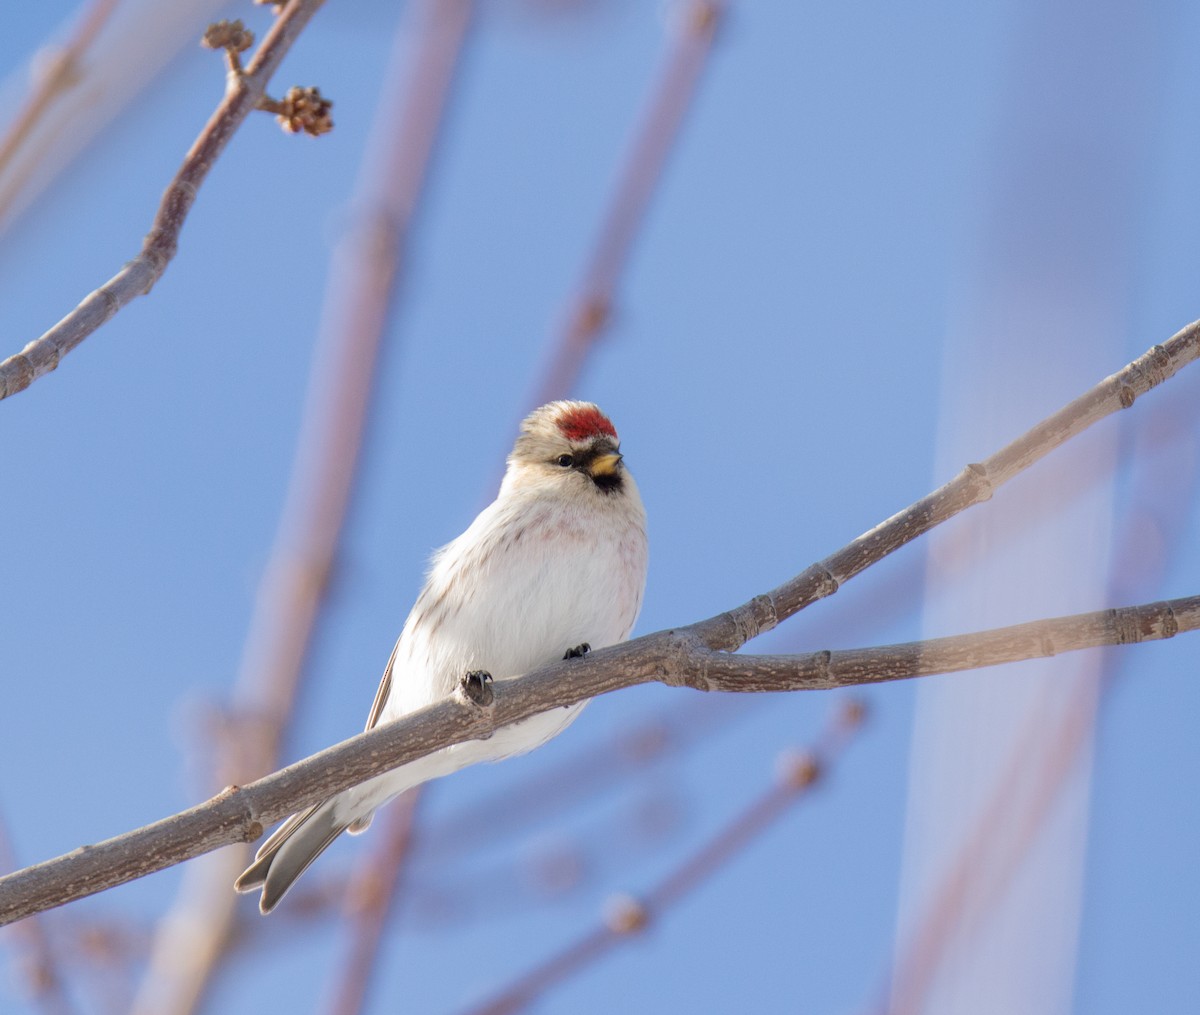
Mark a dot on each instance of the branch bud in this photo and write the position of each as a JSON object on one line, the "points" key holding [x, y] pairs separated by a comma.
{"points": [[625, 915], [229, 35], [797, 770]]}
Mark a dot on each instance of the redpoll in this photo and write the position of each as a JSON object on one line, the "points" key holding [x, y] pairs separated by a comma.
{"points": [[553, 567]]}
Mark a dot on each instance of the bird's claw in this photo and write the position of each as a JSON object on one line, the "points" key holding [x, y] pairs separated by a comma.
{"points": [[578, 652], [475, 686]]}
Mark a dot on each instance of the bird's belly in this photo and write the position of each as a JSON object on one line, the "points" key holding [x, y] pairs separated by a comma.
{"points": [[525, 735], [524, 611]]}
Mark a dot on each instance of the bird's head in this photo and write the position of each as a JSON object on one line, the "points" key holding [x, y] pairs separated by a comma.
{"points": [[570, 445]]}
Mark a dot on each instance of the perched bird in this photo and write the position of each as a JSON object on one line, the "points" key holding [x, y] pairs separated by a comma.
{"points": [[553, 567]]}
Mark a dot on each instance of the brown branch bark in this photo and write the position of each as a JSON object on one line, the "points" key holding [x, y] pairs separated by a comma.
{"points": [[469, 834], [138, 276], [975, 484], [696, 656], [677, 658]]}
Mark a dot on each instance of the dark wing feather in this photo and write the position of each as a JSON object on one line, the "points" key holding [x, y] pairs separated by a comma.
{"points": [[381, 697], [385, 688]]}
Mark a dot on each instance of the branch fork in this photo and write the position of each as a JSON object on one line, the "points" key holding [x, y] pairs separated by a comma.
{"points": [[301, 110], [699, 655]]}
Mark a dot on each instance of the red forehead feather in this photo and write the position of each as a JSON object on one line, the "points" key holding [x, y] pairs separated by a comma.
{"points": [[581, 423]]}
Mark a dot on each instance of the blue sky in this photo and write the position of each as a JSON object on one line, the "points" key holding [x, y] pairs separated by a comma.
{"points": [[811, 273]]}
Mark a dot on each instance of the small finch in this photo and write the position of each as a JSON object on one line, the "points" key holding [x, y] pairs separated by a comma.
{"points": [[553, 567]]}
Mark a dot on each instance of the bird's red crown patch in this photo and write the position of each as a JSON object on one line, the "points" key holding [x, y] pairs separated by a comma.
{"points": [[578, 424]]}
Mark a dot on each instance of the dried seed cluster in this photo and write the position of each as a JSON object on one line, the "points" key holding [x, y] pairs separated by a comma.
{"points": [[302, 110], [305, 110], [231, 35]]}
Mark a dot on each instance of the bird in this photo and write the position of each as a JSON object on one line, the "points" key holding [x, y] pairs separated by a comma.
{"points": [[553, 568]]}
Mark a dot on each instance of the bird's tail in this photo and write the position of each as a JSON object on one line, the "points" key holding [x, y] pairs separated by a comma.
{"points": [[296, 843], [289, 851]]}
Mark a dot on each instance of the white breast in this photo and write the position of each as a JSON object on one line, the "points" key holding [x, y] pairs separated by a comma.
{"points": [[531, 578]]}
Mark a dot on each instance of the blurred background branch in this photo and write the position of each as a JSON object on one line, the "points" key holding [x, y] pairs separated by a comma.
{"points": [[59, 70], [820, 192], [692, 27], [798, 773], [1009, 823], [364, 277]]}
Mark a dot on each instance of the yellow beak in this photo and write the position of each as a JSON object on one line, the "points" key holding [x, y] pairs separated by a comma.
{"points": [[605, 465]]}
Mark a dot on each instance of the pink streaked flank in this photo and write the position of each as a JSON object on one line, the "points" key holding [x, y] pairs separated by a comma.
{"points": [[578, 424]]}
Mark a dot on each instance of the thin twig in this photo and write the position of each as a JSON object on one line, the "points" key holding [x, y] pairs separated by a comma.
{"points": [[975, 484], [627, 916], [644, 166], [242, 94], [590, 310], [59, 77], [698, 656]]}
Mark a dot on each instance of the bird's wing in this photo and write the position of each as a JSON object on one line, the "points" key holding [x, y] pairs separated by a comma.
{"points": [[385, 688]]}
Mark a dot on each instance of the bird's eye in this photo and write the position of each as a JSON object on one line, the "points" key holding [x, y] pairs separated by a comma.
{"points": [[566, 461]]}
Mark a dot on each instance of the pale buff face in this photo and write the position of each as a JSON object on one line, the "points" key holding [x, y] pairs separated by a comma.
{"points": [[572, 445]]}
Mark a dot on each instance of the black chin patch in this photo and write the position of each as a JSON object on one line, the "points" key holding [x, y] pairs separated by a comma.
{"points": [[610, 482]]}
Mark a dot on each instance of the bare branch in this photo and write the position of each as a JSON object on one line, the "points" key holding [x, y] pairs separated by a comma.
{"points": [[467, 834], [975, 484], [696, 656], [970, 884], [243, 91], [678, 658]]}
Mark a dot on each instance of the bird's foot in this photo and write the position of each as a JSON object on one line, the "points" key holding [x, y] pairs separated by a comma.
{"points": [[475, 686], [578, 652]]}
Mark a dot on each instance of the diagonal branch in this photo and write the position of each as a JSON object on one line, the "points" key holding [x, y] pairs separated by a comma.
{"points": [[696, 656], [975, 484], [970, 884], [242, 94], [678, 658]]}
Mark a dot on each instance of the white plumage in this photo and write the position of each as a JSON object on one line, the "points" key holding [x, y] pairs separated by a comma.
{"points": [[555, 562]]}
